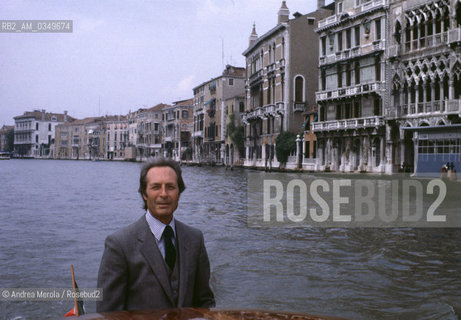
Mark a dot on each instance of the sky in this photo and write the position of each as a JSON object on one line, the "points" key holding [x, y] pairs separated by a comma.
{"points": [[124, 55]]}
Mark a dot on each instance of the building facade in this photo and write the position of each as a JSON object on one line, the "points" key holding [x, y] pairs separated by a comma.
{"points": [[178, 125], [34, 133], [351, 126], [424, 85], [234, 132], [281, 69], [116, 131], [149, 132], [4, 133], [209, 118], [81, 139]]}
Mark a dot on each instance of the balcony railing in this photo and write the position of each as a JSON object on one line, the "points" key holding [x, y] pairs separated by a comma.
{"points": [[282, 63], [348, 124], [371, 5], [364, 7], [429, 41], [262, 112], [330, 20], [255, 77], [454, 35], [271, 67], [25, 141], [299, 106], [424, 108], [349, 91], [197, 134], [350, 53], [394, 51], [24, 130], [453, 106]]}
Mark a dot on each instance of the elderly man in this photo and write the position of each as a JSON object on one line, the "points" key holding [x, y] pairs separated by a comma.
{"points": [[156, 262]]}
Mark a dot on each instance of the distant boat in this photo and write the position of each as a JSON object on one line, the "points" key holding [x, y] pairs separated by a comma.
{"points": [[5, 155]]}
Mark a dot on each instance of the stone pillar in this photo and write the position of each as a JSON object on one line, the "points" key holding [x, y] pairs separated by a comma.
{"points": [[432, 96], [369, 154], [299, 155], [425, 96], [402, 102], [411, 37], [442, 96], [402, 147], [360, 153], [319, 155], [417, 98], [328, 152], [451, 87], [382, 160], [408, 100], [415, 147]]}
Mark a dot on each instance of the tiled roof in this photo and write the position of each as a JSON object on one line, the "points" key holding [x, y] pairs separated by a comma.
{"points": [[78, 122], [158, 107], [44, 116], [187, 102]]}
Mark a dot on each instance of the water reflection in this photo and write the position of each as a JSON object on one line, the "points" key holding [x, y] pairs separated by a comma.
{"points": [[55, 213]]}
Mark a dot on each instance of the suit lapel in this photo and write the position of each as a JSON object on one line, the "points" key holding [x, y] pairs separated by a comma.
{"points": [[184, 260], [154, 258]]}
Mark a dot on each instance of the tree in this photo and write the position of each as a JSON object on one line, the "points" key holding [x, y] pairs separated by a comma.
{"points": [[285, 143], [10, 140], [236, 134]]}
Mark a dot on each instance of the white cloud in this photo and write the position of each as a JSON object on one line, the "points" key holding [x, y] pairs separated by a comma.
{"points": [[182, 89]]}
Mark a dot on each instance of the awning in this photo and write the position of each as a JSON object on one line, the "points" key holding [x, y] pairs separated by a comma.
{"points": [[306, 123], [210, 101]]}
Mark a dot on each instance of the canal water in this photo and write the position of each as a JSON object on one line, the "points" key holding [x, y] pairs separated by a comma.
{"points": [[57, 213]]}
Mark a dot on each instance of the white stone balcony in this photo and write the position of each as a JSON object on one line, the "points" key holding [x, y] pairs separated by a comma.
{"points": [[367, 6], [282, 63], [453, 106], [427, 108], [349, 91], [263, 112], [270, 68], [255, 77], [197, 134], [454, 35], [299, 106], [327, 21], [354, 52], [393, 51], [25, 141], [348, 124]]}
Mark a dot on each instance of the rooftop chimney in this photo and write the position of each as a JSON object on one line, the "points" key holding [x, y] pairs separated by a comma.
{"points": [[253, 36], [284, 13]]}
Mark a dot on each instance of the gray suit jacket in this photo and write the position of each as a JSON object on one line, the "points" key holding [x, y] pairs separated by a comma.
{"points": [[132, 273]]}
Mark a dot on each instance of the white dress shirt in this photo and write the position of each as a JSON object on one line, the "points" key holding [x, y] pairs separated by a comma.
{"points": [[157, 227]]}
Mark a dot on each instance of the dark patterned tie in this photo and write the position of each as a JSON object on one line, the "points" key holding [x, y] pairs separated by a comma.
{"points": [[170, 251]]}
